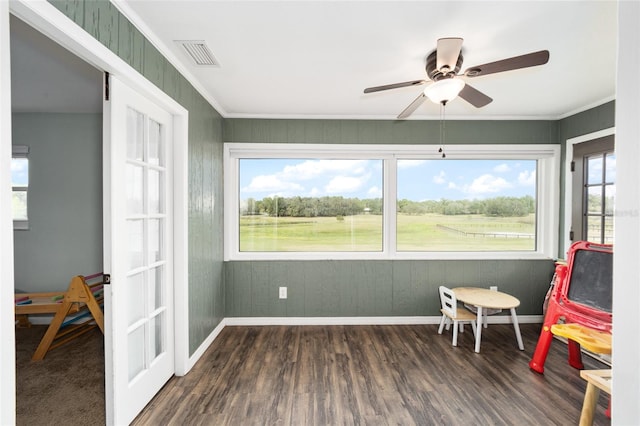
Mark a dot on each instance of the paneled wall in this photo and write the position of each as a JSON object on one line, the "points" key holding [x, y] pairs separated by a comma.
{"points": [[351, 288], [368, 287], [206, 292], [589, 121]]}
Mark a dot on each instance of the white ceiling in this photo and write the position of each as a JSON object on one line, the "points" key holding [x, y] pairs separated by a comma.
{"points": [[312, 59]]}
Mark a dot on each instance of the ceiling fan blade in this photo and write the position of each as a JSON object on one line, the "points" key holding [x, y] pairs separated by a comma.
{"points": [[524, 61], [394, 86], [413, 106], [448, 51], [474, 96]]}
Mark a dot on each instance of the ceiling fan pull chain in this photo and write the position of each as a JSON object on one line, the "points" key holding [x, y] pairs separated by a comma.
{"points": [[442, 128]]}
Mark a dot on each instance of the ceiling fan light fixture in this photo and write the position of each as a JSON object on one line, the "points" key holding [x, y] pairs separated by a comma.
{"points": [[444, 90]]}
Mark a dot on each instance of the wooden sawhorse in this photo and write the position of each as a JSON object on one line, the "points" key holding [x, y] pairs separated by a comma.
{"points": [[78, 297]]}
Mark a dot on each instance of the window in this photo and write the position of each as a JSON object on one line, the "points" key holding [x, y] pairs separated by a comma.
{"points": [[20, 186], [314, 205], [466, 205], [594, 179], [307, 201]]}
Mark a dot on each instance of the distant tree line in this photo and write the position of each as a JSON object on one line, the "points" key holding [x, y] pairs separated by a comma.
{"points": [[340, 206], [312, 206], [498, 206]]}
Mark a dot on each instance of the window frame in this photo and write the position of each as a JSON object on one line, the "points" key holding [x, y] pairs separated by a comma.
{"points": [[21, 151], [547, 196]]}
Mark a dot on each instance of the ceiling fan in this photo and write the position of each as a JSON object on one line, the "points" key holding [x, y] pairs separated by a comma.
{"points": [[443, 66]]}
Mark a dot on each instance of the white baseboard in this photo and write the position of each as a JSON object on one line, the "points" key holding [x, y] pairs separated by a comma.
{"points": [[204, 346]]}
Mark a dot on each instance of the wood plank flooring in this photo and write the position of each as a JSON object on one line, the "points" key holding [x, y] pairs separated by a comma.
{"points": [[373, 375]]}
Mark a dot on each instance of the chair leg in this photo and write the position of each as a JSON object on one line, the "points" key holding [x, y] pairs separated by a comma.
{"points": [[441, 325], [455, 333]]}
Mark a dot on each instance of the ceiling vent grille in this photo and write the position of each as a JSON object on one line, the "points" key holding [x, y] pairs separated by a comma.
{"points": [[199, 52]]}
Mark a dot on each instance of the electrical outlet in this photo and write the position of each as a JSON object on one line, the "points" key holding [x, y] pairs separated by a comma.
{"points": [[493, 288], [283, 293]]}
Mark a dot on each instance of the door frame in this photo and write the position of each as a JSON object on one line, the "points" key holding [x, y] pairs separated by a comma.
{"points": [[45, 18], [568, 178]]}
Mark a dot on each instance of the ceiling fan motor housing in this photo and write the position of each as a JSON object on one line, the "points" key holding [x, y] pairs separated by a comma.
{"points": [[438, 74]]}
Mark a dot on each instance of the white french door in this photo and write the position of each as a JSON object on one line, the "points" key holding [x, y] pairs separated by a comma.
{"points": [[138, 254]]}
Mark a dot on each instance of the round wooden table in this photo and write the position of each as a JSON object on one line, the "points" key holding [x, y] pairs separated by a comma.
{"points": [[483, 298]]}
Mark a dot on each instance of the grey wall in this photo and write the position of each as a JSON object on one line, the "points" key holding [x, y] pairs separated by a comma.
{"points": [[65, 200], [206, 292], [589, 121], [378, 288]]}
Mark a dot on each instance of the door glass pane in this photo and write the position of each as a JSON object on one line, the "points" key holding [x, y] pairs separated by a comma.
{"points": [[594, 169], [135, 189], [594, 229], [594, 200], [155, 287], [155, 240], [610, 172], [155, 192], [608, 230], [135, 134], [136, 243], [156, 346], [609, 197], [19, 205], [136, 352], [135, 298], [155, 144]]}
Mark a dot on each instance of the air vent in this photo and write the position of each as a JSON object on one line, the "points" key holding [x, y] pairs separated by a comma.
{"points": [[199, 52]]}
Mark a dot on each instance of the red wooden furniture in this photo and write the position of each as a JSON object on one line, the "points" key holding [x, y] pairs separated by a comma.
{"points": [[581, 295]]}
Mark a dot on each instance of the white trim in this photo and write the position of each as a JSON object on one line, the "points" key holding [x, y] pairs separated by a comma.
{"points": [[181, 242], [137, 22], [548, 156], [586, 107], [54, 24], [408, 320], [568, 180], [198, 353], [7, 328]]}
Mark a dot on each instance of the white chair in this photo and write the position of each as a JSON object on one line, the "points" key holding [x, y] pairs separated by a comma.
{"points": [[452, 314]]}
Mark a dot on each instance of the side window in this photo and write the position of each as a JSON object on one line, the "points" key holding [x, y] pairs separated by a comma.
{"points": [[593, 199], [20, 186]]}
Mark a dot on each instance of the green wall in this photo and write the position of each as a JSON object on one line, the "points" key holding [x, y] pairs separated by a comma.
{"points": [[206, 291], [589, 121], [373, 287], [65, 200]]}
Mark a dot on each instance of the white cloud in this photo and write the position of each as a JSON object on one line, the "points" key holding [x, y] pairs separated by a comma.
{"points": [[527, 178], [406, 164], [502, 168], [271, 183], [311, 169], [440, 178], [342, 184], [487, 184], [374, 192]]}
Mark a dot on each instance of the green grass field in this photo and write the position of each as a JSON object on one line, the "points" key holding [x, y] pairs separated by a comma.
{"points": [[364, 233]]}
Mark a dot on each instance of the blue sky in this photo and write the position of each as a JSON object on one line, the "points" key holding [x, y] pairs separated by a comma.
{"points": [[19, 172], [417, 179]]}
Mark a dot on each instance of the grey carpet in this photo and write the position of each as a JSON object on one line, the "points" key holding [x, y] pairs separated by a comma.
{"points": [[66, 387]]}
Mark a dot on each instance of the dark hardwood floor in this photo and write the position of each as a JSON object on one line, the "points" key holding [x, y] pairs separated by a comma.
{"points": [[373, 375]]}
